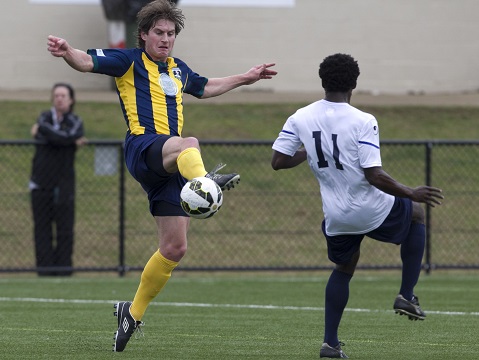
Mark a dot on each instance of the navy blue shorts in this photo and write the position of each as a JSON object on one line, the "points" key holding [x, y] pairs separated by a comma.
{"points": [[144, 160], [394, 230]]}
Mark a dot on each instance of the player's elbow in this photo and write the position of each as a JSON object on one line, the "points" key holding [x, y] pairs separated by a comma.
{"points": [[278, 164], [276, 161], [275, 165]]}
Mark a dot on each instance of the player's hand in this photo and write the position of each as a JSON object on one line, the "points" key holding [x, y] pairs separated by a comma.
{"points": [[57, 46], [260, 72], [428, 195]]}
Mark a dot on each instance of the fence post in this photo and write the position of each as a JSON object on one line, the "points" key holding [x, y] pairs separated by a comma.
{"points": [[428, 265], [121, 235]]}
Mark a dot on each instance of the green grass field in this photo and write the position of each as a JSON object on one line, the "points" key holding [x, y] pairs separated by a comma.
{"points": [[222, 316], [252, 121], [218, 316]]}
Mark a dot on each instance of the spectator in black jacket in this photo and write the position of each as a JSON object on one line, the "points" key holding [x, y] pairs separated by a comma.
{"points": [[58, 132]]}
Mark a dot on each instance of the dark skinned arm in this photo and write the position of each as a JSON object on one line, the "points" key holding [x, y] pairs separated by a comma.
{"points": [[378, 178], [281, 161]]}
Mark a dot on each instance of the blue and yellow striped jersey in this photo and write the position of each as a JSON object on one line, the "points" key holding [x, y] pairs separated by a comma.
{"points": [[150, 92]]}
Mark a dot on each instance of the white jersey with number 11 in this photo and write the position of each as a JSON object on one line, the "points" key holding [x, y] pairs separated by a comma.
{"points": [[340, 141]]}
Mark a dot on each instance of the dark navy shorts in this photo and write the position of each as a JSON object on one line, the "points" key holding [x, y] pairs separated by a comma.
{"points": [[144, 160], [394, 229]]}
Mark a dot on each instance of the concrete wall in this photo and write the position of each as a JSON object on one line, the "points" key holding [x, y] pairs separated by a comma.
{"points": [[407, 46], [24, 27]]}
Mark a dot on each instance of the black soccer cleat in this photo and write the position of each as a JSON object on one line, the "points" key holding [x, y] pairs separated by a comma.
{"points": [[333, 352], [127, 325], [409, 308], [224, 181]]}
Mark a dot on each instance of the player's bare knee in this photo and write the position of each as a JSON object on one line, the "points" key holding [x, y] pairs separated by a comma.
{"points": [[174, 252], [417, 213], [190, 142]]}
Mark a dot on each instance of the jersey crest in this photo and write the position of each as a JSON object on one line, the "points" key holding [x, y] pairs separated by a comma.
{"points": [[176, 73], [168, 85]]}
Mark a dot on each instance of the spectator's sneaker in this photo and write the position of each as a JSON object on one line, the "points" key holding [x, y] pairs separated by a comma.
{"points": [[126, 325], [409, 308], [332, 352], [226, 181]]}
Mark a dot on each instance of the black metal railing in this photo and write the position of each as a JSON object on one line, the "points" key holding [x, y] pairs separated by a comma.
{"points": [[270, 222]]}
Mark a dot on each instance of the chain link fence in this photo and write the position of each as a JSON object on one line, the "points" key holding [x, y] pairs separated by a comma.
{"points": [[271, 221]]}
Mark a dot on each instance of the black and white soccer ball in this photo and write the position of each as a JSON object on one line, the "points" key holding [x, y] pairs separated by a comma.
{"points": [[201, 198]]}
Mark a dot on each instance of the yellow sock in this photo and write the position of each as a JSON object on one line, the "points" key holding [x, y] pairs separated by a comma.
{"points": [[190, 163], [154, 277]]}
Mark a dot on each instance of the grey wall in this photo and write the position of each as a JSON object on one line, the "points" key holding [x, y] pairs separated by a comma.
{"points": [[407, 46]]}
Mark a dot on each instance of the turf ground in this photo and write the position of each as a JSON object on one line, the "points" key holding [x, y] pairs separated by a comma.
{"points": [[218, 316]]}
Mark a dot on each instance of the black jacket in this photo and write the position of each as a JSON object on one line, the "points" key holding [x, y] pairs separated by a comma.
{"points": [[53, 162]]}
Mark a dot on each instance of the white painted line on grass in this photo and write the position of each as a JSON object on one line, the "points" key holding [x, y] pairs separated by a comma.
{"points": [[236, 306]]}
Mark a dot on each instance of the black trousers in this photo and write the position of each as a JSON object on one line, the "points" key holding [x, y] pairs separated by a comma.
{"points": [[53, 217]]}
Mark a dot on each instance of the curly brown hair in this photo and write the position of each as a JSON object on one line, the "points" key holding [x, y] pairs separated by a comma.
{"points": [[148, 16]]}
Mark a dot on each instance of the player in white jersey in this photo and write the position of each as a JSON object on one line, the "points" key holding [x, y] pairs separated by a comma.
{"points": [[349, 140], [342, 147]]}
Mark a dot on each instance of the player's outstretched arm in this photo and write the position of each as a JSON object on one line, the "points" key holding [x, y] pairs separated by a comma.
{"points": [[429, 195], [77, 59], [218, 86]]}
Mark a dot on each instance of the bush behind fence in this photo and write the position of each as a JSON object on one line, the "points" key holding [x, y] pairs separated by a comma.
{"points": [[270, 221]]}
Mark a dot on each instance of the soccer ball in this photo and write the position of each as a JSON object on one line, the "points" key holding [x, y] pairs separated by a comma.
{"points": [[201, 198]]}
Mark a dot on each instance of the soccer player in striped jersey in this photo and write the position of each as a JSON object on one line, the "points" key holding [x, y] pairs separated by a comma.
{"points": [[341, 145], [150, 85]]}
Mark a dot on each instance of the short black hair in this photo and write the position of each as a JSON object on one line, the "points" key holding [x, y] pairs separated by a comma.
{"points": [[339, 73]]}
